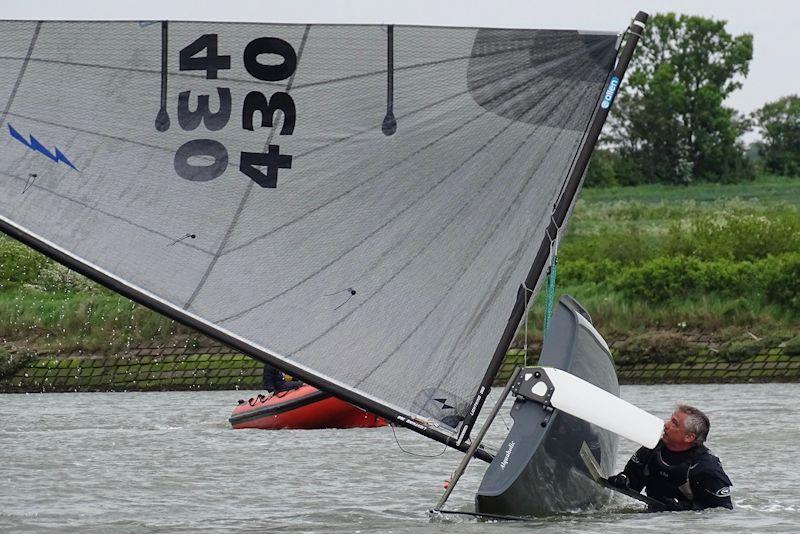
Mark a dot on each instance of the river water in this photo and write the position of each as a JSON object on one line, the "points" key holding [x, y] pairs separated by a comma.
{"points": [[169, 462]]}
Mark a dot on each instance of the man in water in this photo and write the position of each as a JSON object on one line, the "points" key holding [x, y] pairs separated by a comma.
{"points": [[680, 471], [274, 381]]}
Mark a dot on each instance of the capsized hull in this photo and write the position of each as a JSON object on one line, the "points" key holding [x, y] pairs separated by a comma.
{"points": [[303, 408], [538, 470]]}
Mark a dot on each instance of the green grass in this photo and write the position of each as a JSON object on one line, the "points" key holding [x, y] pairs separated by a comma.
{"points": [[766, 189], [98, 321], [739, 241], [621, 257]]}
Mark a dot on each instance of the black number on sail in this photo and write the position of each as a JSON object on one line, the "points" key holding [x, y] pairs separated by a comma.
{"points": [[201, 150], [255, 101], [272, 160], [202, 160], [212, 62], [189, 120], [272, 72]]}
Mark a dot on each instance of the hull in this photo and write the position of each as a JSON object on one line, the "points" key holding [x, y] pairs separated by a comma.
{"points": [[538, 470], [303, 408]]}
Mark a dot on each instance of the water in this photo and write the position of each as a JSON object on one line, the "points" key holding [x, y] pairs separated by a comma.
{"points": [[168, 462]]}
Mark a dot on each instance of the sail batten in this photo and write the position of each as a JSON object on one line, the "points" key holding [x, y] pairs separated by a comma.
{"points": [[255, 193]]}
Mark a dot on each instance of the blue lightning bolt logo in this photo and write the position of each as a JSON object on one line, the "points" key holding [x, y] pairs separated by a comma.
{"points": [[34, 144]]}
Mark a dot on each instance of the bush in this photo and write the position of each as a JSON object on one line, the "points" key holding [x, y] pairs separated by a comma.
{"points": [[740, 350], [664, 279], [783, 281], [55, 278], [791, 347], [660, 279], [628, 246], [11, 363], [654, 347], [18, 264], [601, 171], [582, 271], [736, 236]]}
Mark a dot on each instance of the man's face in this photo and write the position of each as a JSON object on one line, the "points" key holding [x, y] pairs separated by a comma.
{"points": [[675, 436]]}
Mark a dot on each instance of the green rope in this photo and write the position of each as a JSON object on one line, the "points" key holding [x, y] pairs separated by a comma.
{"points": [[551, 293]]}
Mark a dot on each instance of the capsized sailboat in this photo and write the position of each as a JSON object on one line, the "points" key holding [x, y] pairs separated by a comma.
{"points": [[368, 208]]}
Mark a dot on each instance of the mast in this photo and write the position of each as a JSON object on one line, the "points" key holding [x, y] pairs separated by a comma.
{"points": [[560, 212]]}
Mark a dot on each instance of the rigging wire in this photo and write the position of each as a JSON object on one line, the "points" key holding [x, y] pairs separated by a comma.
{"points": [[394, 433], [527, 311], [503, 419]]}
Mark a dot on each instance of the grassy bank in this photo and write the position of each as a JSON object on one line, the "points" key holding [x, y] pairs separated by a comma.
{"points": [[722, 259]]}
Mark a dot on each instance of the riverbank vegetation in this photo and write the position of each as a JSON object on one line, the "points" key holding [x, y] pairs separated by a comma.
{"points": [[721, 259], [650, 263]]}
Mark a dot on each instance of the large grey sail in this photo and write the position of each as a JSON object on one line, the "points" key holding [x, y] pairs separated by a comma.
{"points": [[246, 175]]}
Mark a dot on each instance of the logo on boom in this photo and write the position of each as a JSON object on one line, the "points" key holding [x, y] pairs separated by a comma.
{"points": [[609, 96], [35, 145]]}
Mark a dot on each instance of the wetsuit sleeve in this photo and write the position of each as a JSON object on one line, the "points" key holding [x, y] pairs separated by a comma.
{"points": [[711, 487], [635, 468]]}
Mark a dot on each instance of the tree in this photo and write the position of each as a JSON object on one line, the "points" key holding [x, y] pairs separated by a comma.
{"points": [[670, 121], [779, 124]]}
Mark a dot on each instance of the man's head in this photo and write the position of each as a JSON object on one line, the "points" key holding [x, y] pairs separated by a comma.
{"points": [[686, 428]]}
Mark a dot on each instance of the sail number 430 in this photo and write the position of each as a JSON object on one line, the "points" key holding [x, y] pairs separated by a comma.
{"points": [[261, 167]]}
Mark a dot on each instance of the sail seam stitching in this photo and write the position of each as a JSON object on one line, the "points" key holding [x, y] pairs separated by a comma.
{"points": [[103, 212], [247, 191], [239, 314], [517, 88], [137, 70], [25, 62]]}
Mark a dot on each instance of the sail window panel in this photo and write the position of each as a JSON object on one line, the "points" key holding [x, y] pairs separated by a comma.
{"points": [[555, 58]]}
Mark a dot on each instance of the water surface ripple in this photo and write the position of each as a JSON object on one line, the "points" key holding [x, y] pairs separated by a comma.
{"points": [[169, 462]]}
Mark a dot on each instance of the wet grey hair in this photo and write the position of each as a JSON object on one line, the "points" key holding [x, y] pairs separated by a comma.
{"points": [[696, 422]]}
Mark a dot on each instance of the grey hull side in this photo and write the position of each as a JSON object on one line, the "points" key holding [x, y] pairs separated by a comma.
{"points": [[538, 470]]}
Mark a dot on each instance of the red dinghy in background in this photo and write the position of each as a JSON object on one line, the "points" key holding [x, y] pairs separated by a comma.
{"points": [[305, 407]]}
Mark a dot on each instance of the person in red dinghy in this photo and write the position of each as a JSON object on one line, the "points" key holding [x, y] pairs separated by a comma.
{"points": [[275, 381]]}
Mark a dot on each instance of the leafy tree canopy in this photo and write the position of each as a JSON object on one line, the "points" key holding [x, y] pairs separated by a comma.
{"points": [[779, 123], [670, 122]]}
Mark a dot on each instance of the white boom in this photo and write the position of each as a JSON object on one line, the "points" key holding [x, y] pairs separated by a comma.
{"points": [[586, 401]]}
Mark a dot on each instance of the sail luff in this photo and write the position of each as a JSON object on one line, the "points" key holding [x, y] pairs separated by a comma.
{"points": [[562, 209]]}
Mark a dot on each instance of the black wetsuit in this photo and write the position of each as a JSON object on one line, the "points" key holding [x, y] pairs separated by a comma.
{"points": [[689, 480], [274, 381]]}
